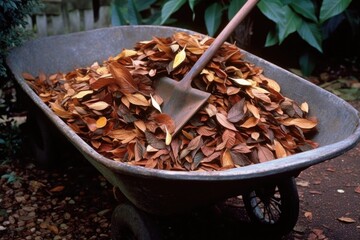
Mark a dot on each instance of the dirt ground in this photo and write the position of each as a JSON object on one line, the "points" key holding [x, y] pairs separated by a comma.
{"points": [[73, 201]]}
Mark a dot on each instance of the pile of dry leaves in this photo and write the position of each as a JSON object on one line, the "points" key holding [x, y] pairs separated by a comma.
{"points": [[112, 106]]}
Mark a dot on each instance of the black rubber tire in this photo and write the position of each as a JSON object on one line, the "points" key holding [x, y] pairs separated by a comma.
{"points": [[128, 222], [273, 208], [43, 141]]}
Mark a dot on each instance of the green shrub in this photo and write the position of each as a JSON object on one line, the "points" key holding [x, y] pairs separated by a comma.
{"points": [[12, 23], [12, 34], [314, 21]]}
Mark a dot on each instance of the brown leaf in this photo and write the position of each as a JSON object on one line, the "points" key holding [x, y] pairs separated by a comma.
{"points": [[346, 220], [357, 189], [264, 154], [300, 122], [102, 82], [123, 78], [279, 149], [226, 160], [221, 118], [54, 229], [100, 105], [57, 189], [60, 111], [211, 110], [250, 122], [137, 99], [162, 118], [123, 135], [229, 137], [194, 143], [308, 216], [82, 94], [154, 141], [236, 112], [254, 110]]}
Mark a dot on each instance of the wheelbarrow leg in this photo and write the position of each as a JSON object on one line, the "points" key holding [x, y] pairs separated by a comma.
{"points": [[128, 222], [274, 208]]}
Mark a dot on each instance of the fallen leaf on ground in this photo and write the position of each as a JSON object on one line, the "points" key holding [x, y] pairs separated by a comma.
{"points": [[302, 183], [57, 189], [308, 215], [346, 219]]}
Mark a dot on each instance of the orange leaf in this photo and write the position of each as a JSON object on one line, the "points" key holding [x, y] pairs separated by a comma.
{"points": [[226, 160], [60, 111], [250, 122], [279, 149], [101, 122], [254, 110], [57, 189], [300, 122]]}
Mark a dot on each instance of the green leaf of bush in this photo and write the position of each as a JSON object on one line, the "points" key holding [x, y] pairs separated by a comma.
{"points": [[272, 9], [305, 8], [288, 24], [271, 39], [234, 7], [307, 63], [213, 18], [330, 8], [311, 33], [142, 5], [133, 13], [169, 8]]}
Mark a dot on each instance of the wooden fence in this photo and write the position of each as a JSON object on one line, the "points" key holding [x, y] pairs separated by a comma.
{"points": [[65, 16]]}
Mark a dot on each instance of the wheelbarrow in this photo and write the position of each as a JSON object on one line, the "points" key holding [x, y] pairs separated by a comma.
{"points": [[268, 189]]}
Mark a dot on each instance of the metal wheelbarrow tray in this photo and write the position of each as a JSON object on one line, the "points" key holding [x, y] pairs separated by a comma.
{"points": [[167, 192]]}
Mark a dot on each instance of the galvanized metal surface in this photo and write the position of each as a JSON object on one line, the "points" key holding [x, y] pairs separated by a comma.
{"points": [[164, 192]]}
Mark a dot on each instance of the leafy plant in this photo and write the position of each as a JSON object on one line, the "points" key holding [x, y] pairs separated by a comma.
{"points": [[12, 23], [10, 177], [10, 139], [135, 12], [314, 21]]}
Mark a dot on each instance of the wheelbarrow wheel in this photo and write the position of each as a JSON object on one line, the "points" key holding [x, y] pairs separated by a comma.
{"points": [[42, 140], [273, 208], [128, 222]]}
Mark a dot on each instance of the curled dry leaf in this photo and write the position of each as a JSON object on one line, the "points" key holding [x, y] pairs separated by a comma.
{"points": [[300, 122], [179, 58], [346, 220], [112, 106], [155, 103]]}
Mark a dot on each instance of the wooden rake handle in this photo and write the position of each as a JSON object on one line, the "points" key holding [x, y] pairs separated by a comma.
{"points": [[219, 40]]}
